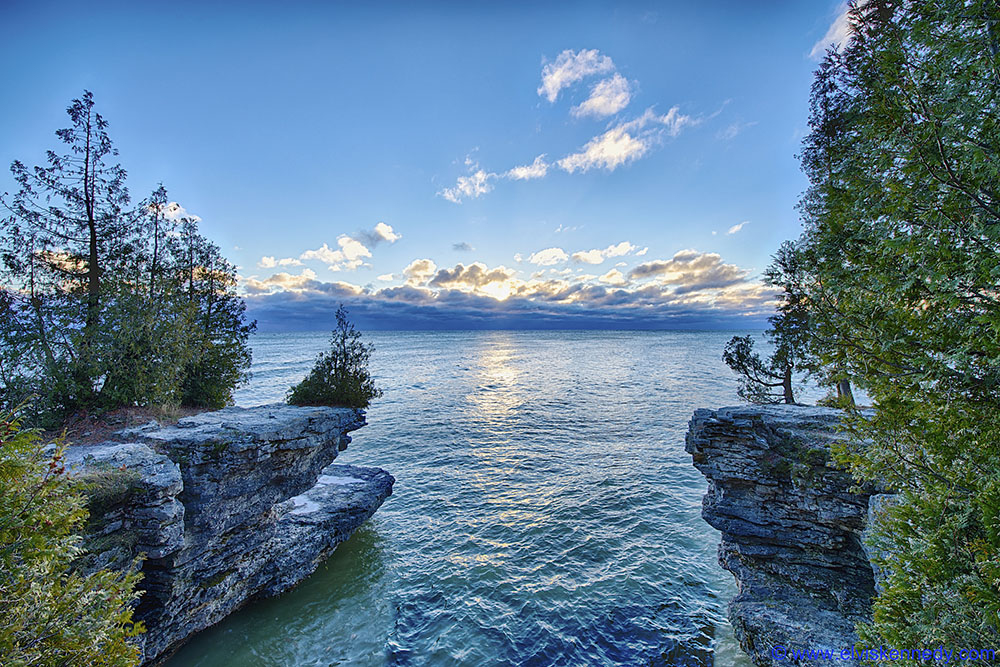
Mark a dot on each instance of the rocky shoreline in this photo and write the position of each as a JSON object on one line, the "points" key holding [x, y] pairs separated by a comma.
{"points": [[226, 507], [792, 528]]}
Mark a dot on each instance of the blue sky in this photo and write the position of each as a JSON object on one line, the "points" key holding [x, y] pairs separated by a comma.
{"points": [[450, 164]]}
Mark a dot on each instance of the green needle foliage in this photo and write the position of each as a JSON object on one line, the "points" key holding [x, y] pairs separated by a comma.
{"points": [[340, 375], [902, 283], [103, 303], [52, 614]]}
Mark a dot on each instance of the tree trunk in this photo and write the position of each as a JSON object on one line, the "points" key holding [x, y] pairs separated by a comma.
{"points": [[786, 384], [844, 392]]}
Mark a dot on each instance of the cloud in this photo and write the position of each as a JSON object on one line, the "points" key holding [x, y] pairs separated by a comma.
{"points": [[607, 98], [386, 277], [628, 141], [598, 256], [381, 232], [733, 130], [548, 257], [280, 281], [607, 151], [348, 256], [692, 289], [476, 275], [690, 270], [476, 184], [536, 169], [462, 247], [419, 270], [570, 67], [614, 277], [268, 262], [837, 35], [735, 228]]}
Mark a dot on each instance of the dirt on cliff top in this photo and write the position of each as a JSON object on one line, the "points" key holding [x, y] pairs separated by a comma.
{"points": [[87, 429]]}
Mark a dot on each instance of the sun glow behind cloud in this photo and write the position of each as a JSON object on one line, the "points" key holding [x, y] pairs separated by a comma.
{"points": [[690, 285]]}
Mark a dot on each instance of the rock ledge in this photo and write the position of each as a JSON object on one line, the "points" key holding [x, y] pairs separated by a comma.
{"points": [[791, 528], [227, 506]]}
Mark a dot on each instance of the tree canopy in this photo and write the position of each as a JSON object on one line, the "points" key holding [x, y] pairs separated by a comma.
{"points": [[104, 303], [901, 257]]}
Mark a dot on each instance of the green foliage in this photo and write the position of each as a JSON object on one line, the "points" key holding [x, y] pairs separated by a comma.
{"points": [[340, 375], [771, 381], [105, 304], [53, 614], [902, 251]]}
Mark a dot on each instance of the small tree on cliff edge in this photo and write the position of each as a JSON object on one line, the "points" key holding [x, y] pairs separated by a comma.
{"points": [[340, 375], [771, 381]]}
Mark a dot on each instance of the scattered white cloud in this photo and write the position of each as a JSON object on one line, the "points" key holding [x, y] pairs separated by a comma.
{"points": [[598, 256], [348, 256], [607, 151], [381, 232], [476, 184], [268, 262], [736, 228], [837, 35], [280, 282], [607, 98], [569, 67], [690, 270], [419, 270], [548, 257], [640, 253], [628, 141], [387, 277], [614, 277], [536, 169], [564, 228], [462, 246]]}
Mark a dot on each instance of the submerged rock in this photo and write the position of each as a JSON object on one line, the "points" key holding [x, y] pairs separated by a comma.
{"points": [[227, 506], [791, 529]]}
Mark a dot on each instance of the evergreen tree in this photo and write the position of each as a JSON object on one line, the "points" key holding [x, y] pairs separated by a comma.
{"points": [[771, 381], [902, 240], [340, 375], [105, 305]]}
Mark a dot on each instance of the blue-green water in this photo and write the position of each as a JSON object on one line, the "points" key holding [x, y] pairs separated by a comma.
{"points": [[544, 513]]}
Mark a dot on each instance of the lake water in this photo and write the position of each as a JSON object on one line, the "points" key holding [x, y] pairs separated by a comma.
{"points": [[544, 513]]}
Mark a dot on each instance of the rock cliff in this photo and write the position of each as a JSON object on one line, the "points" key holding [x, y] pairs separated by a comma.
{"points": [[791, 529], [226, 506]]}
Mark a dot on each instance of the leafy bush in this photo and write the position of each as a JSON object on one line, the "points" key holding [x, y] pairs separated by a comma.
{"points": [[52, 614], [340, 375]]}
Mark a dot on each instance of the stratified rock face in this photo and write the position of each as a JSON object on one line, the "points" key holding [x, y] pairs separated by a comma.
{"points": [[227, 506], [791, 529]]}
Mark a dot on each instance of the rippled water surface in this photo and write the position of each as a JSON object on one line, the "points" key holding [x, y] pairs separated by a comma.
{"points": [[544, 513]]}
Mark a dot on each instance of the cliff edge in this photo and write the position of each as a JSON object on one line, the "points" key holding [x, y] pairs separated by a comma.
{"points": [[226, 506], [791, 529]]}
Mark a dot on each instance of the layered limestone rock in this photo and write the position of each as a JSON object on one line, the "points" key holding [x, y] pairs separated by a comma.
{"points": [[226, 506], [791, 529]]}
